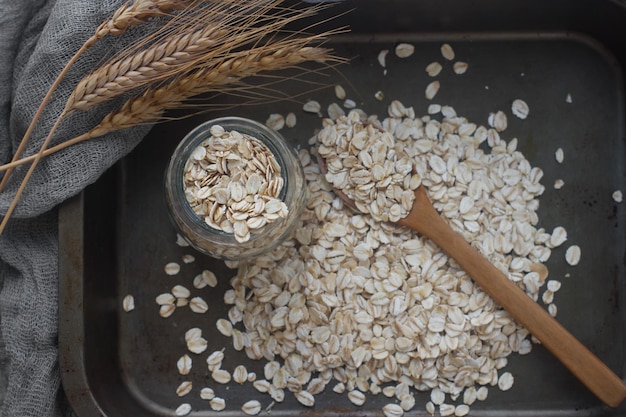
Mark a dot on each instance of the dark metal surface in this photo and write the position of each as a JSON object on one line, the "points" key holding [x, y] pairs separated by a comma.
{"points": [[116, 237]]}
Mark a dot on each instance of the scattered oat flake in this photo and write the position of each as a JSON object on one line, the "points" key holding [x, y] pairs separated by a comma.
{"points": [[461, 410], [198, 305], [183, 410], [558, 155], [335, 111], [275, 121], [382, 56], [221, 376], [437, 396], [224, 327], [188, 259], [340, 92], [305, 398], [432, 89], [404, 50], [172, 268], [165, 299], [505, 382], [434, 108], [393, 410], [251, 408], [617, 196], [572, 255], [554, 285], [167, 310], [558, 237], [184, 388], [290, 120], [520, 109], [498, 121], [207, 393], [356, 397], [312, 106], [446, 409], [209, 277], [460, 67], [481, 393], [448, 111], [262, 385], [568, 98], [128, 303], [180, 291], [184, 365], [240, 374], [277, 394], [214, 361], [547, 297], [339, 388], [447, 52], [198, 282], [433, 69], [197, 346], [349, 104], [407, 402], [217, 404], [379, 95], [558, 184], [552, 310]]}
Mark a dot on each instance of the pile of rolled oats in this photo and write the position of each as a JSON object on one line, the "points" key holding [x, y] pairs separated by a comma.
{"points": [[233, 182], [363, 162]]}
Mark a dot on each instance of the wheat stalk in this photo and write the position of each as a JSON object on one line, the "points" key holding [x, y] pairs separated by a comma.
{"points": [[157, 62], [123, 18]]}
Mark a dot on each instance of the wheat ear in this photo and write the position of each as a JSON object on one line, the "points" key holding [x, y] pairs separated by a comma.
{"points": [[139, 12], [149, 106], [124, 17]]}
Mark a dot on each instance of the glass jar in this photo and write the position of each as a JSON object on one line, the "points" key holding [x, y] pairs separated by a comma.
{"points": [[217, 242]]}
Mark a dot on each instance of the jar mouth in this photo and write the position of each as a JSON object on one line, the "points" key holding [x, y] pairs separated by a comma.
{"points": [[181, 210]]}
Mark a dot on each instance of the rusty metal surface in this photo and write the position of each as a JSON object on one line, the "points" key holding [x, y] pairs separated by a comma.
{"points": [[116, 237]]}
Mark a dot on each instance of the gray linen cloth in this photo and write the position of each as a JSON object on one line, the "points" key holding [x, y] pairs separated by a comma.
{"points": [[37, 38]]}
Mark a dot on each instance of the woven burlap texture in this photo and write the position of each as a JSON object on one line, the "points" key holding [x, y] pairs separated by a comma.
{"points": [[37, 38]]}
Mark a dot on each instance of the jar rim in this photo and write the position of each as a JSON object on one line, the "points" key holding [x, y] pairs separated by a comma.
{"points": [[174, 184]]}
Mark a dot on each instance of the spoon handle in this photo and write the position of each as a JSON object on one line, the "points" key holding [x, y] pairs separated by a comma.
{"points": [[592, 372]]}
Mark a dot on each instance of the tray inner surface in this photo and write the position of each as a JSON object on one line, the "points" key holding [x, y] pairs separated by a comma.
{"points": [[129, 359]]}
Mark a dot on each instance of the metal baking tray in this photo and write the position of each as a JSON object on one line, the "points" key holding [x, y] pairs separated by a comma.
{"points": [[116, 237]]}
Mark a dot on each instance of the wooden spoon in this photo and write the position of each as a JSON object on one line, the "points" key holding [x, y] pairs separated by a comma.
{"points": [[593, 373]]}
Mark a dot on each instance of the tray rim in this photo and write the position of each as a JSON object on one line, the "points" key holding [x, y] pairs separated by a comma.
{"points": [[72, 234]]}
